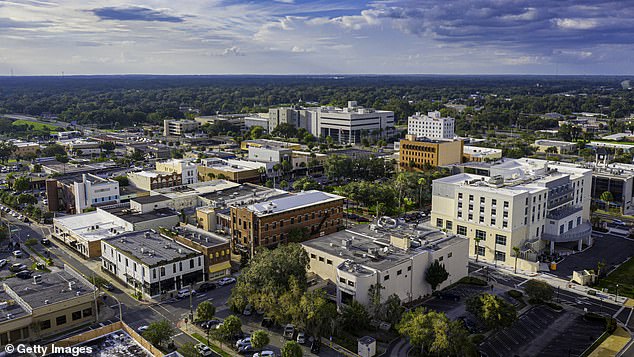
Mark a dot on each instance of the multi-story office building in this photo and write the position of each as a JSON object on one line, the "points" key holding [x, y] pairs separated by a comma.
{"points": [[256, 120], [283, 115], [270, 154], [74, 194], [298, 217], [24, 149], [431, 126], [417, 152], [616, 178], [389, 253], [186, 168], [173, 127], [151, 263], [44, 306], [525, 203], [232, 170], [215, 249]]}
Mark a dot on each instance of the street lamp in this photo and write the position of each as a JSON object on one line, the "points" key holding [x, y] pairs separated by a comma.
{"points": [[616, 298]]}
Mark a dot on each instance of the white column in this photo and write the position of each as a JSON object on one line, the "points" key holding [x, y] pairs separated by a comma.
{"points": [[580, 244], [552, 247]]}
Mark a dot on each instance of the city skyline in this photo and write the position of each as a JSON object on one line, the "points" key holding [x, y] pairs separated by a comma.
{"points": [[42, 37]]}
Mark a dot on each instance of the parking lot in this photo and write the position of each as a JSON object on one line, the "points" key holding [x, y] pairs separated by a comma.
{"points": [[579, 336]]}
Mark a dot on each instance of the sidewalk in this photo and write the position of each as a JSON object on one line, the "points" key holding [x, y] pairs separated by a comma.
{"points": [[612, 345]]}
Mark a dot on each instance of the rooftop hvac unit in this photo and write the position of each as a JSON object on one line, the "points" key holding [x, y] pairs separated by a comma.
{"points": [[37, 279], [180, 251], [147, 234]]}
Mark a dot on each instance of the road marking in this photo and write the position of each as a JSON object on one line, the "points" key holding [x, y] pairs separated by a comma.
{"points": [[178, 334]]}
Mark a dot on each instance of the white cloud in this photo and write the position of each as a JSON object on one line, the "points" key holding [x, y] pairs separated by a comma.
{"points": [[576, 24]]}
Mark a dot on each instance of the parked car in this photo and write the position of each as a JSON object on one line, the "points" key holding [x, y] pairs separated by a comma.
{"points": [[206, 286], [3, 262], [183, 293], [267, 322], [107, 286], [301, 338], [289, 331], [315, 346], [17, 267], [209, 324], [447, 295], [45, 242], [245, 349], [204, 350], [248, 310], [24, 274], [17, 253], [243, 342], [265, 354], [142, 328], [226, 281]]}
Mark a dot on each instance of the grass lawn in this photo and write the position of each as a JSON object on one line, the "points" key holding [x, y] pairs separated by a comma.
{"points": [[35, 125], [624, 276]]}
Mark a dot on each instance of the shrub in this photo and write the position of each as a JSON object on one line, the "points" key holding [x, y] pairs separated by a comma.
{"points": [[472, 281], [515, 294], [477, 338]]}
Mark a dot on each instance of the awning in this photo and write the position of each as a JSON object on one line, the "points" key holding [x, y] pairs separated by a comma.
{"points": [[221, 266]]}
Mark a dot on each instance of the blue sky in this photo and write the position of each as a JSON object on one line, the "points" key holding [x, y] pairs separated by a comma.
{"points": [[314, 37]]}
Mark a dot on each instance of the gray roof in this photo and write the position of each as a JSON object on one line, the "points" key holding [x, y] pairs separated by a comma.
{"points": [[151, 199], [200, 236], [302, 199], [150, 248], [13, 310], [137, 217], [54, 288]]}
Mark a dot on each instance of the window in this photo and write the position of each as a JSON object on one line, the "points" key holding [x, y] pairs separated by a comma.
{"points": [[441, 259], [126, 262], [481, 220], [505, 224], [87, 312], [480, 251], [387, 277], [500, 239], [399, 272], [153, 273], [266, 227], [570, 225], [60, 320], [449, 225], [461, 230], [482, 199], [328, 261], [162, 271], [46, 324], [494, 201], [481, 209], [292, 220], [76, 315], [501, 256], [439, 222], [409, 268], [506, 204], [313, 256], [351, 283], [578, 221], [493, 221], [561, 229], [481, 234], [493, 211], [191, 263], [470, 216], [321, 259], [460, 195], [459, 214], [459, 204], [449, 255], [174, 268], [470, 197]]}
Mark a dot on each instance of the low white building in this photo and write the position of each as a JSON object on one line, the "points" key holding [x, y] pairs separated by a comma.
{"points": [[151, 263], [270, 154], [431, 126], [94, 191], [387, 253]]}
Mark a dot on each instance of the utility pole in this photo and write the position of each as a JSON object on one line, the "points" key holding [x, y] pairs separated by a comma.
{"points": [[616, 298], [191, 305]]}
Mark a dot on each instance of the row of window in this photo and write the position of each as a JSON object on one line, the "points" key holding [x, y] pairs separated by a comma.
{"points": [[321, 259], [306, 217], [482, 235], [483, 200], [399, 272], [61, 320], [105, 199], [499, 256]]}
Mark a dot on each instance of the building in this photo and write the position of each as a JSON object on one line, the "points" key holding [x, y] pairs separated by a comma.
{"points": [[214, 248], [299, 217], [616, 178], [172, 127], [236, 120], [259, 120], [66, 135], [525, 203], [415, 153], [44, 306], [562, 147], [431, 126], [389, 253], [84, 232], [188, 197], [81, 147], [149, 150], [283, 115], [186, 168], [260, 143], [232, 170], [348, 125], [151, 263], [76, 193], [480, 154], [24, 149], [154, 180], [270, 154]]}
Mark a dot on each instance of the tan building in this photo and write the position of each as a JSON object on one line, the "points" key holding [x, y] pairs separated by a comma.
{"points": [[561, 147], [214, 247], [25, 149], [232, 170], [299, 217], [153, 180], [480, 154], [260, 143], [186, 168], [46, 305], [415, 153]]}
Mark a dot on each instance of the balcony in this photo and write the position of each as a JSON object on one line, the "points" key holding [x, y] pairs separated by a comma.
{"points": [[563, 213], [582, 231]]}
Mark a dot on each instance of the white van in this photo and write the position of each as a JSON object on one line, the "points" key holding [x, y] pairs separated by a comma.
{"points": [[183, 293]]}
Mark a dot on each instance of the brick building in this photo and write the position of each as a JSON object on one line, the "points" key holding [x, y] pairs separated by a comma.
{"points": [[299, 217]]}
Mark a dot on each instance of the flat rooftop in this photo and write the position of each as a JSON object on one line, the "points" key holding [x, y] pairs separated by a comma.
{"points": [[200, 236], [555, 143], [199, 188], [9, 309], [135, 217], [91, 226], [302, 199], [151, 199], [150, 247], [54, 288], [369, 244], [238, 192]]}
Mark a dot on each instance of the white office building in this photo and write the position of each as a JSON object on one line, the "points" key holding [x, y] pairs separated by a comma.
{"points": [[431, 126], [94, 191], [534, 205], [151, 263]]}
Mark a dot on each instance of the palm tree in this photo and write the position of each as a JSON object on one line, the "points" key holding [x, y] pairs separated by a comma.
{"points": [[276, 168], [422, 182], [516, 250], [477, 245]]}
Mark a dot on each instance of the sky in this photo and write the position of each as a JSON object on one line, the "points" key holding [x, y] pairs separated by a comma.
{"points": [[48, 37]]}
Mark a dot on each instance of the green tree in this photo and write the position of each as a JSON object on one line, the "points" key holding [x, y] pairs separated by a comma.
{"points": [[492, 310], [538, 290], [108, 146], [436, 274], [354, 316], [27, 199], [305, 184], [22, 183], [230, 327], [123, 180], [318, 312], [392, 310], [189, 350], [292, 349], [53, 151], [259, 339], [205, 311], [607, 197], [374, 295], [159, 332], [256, 132], [283, 184], [285, 130], [6, 150], [298, 234]]}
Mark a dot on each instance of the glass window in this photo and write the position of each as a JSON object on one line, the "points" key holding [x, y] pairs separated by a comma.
{"points": [[449, 225], [461, 230], [439, 222], [481, 234], [481, 251], [46, 324], [76, 315], [87, 312], [500, 239], [501, 256], [387, 277], [60, 320]]}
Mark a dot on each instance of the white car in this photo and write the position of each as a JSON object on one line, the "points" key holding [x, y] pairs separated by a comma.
{"points": [[204, 350], [142, 328], [183, 293], [3, 262], [264, 354], [226, 281], [17, 253], [301, 338], [243, 342]]}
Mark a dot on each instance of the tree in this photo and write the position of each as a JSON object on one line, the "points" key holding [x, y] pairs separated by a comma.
{"points": [[123, 180], [259, 339], [477, 246], [256, 132], [374, 295], [492, 310], [551, 150], [354, 316], [21, 183], [6, 150], [53, 150], [305, 184], [205, 311], [317, 312], [538, 290], [298, 234], [230, 327], [27, 199], [436, 274], [108, 146], [392, 310], [283, 184], [516, 251], [285, 130], [189, 350], [159, 332], [292, 349], [607, 197]]}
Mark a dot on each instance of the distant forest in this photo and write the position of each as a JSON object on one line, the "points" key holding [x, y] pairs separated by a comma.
{"points": [[502, 101]]}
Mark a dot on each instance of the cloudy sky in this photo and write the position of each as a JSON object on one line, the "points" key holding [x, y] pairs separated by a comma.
{"points": [[316, 36]]}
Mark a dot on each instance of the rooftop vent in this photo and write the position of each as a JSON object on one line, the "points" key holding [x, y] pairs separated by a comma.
{"points": [[37, 279], [46, 302], [147, 234]]}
